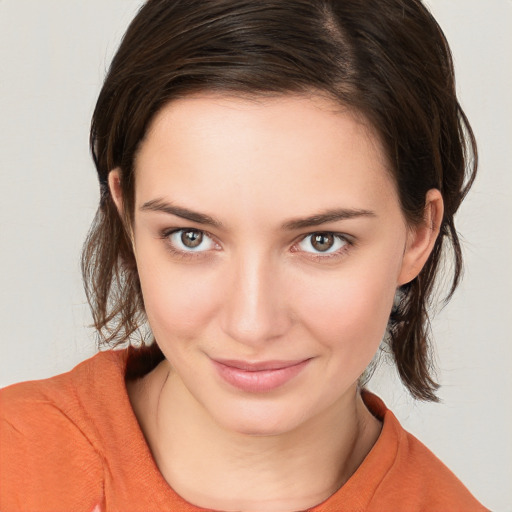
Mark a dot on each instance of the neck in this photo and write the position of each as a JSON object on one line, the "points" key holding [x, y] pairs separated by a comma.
{"points": [[214, 468]]}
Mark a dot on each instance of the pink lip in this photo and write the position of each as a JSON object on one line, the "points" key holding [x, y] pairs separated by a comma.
{"points": [[258, 377]]}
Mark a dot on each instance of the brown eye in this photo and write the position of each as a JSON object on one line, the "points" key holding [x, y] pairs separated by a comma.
{"points": [[322, 241], [191, 238], [324, 244], [190, 241]]}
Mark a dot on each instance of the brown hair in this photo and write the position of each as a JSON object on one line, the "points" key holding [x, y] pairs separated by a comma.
{"points": [[386, 59]]}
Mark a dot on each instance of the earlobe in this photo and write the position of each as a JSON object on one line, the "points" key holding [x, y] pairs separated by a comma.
{"points": [[114, 184], [421, 238]]}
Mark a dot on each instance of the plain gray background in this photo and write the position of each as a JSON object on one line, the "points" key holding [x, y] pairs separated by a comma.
{"points": [[53, 56]]}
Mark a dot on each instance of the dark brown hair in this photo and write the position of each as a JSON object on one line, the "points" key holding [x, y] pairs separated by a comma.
{"points": [[385, 59]]}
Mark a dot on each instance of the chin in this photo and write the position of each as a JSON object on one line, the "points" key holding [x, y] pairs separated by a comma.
{"points": [[257, 429], [260, 419]]}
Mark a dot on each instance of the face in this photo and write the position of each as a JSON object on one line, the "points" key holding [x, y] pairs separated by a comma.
{"points": [[269, 242]]}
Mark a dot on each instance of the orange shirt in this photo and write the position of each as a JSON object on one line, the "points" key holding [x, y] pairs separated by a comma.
{"points": [[72, 443]]}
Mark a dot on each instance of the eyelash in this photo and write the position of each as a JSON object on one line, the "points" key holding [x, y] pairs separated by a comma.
{"points": [[320, 257], [331, 256], [185, 255]]}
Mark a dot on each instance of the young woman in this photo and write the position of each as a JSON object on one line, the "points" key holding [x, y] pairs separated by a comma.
{"points": [[278, 182]]}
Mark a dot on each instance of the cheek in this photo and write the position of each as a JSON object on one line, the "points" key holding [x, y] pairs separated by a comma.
{"points": [[349, 309], [177, 302]]}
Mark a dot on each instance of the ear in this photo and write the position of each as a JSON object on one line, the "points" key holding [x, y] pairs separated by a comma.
{"points": [[114, 184], [422, 237]]}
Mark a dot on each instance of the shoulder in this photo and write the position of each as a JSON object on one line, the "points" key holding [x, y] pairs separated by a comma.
{"points": [[63, 403], [432, 485], [50, 447], [415, 478]]}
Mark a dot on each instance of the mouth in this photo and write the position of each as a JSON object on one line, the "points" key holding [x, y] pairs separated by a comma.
{"points": [[258, 377]]}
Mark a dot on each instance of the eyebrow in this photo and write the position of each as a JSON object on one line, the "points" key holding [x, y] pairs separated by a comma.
{"points": [[327, 216], [332, 215], [159, 205]]}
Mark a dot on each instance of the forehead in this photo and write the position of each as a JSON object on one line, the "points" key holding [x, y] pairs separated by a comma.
{"points": [[289, 150]]}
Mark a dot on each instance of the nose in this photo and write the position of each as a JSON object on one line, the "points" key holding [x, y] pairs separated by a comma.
{"points": [[255, 307]]}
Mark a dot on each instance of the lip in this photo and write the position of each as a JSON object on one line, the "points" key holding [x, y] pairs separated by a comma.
{"points": [[258, 377]]}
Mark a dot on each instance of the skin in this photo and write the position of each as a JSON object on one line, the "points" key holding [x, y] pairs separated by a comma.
{"points": [[256, 291]]}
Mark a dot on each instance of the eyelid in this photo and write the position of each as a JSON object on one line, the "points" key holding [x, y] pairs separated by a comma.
{"points": [[167, 233], [324, 256], [319, 256]]}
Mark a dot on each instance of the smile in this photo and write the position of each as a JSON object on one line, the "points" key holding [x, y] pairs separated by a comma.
{"points": [[258, 377]]}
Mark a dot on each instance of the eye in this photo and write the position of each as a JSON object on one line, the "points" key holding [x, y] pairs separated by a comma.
{"points": [[190, 240], [323, 243]]}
